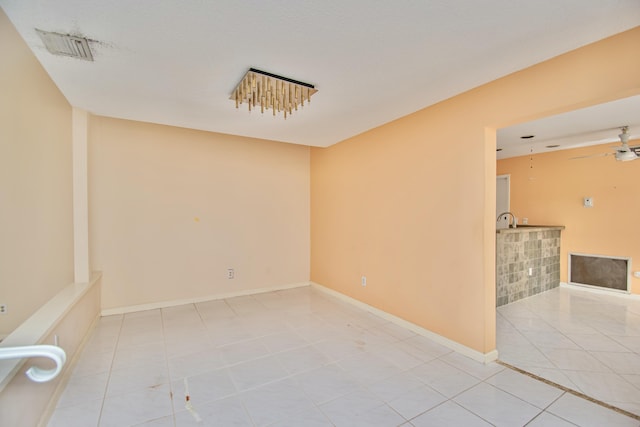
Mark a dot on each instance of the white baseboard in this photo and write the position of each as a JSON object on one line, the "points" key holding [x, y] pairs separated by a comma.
{"points": [[173, 303], [453, 345], [594, 290]]}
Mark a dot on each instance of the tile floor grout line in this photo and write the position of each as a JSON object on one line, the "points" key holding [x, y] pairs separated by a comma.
{"points": [[166, 362], [570, 391], [113, 358]]}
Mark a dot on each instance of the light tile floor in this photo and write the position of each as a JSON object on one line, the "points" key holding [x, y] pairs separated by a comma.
{"points": [[296, 358], [585, 341]]}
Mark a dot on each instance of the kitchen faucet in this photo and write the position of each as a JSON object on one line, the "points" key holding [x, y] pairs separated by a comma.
{"points": [[513, 219]]}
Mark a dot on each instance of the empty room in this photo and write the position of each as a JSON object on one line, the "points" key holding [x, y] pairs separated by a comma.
{"points": [[287, 213]]}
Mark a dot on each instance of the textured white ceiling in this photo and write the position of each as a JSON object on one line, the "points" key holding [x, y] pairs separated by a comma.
{"points": [[176, 62]]}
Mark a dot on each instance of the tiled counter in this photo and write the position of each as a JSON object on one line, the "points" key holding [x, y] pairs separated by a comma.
{"points": [[527, 261]]}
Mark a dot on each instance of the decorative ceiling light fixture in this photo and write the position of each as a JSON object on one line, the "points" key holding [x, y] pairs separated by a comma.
{"points": [[271, 92]]}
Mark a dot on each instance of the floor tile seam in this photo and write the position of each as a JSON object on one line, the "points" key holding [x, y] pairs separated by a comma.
{"points": [[459, 368], [637, 387], [229, 306], [381, 404], [125, 347], [227, 366], [239, 393], [196, 403], [591, 350], [308, 344], [572, 392], [541, 410], [406, 391], [518, 397], [456, 394], [613, 337], [452, 400], [608, 371], [239, 390], [270, 354], [428, 387], [551, 413], [217, 347], [449, 351], [574, 342], [262, 337], [534, 345], [385, 403], [248, 413], [79, 403], [168, 370], [613, 370], [319, 407], [113, 356], [558, 367]]}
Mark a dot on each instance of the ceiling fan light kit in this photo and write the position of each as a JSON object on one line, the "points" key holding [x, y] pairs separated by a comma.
{"points": [[626, 156], [624, 153]]}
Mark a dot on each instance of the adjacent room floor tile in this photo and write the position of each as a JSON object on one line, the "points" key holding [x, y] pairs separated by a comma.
{"points": [[584, 413], [581, 340]]}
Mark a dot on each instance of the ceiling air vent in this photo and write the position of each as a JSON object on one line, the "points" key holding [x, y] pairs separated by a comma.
{"points": [[66, 45]]}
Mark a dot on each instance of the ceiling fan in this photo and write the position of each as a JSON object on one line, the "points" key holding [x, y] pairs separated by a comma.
{"points": [[623, 152]]}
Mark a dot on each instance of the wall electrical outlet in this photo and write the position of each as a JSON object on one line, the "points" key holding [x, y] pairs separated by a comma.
{"points": [[231, 274], [3, 308], [363, 280]]}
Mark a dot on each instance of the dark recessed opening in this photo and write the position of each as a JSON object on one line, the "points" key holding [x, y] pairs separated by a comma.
{"points": [[527, 136], [553, 146], [498, 149]]}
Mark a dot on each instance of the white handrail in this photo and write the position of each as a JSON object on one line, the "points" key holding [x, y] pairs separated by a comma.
{"points": [[34, 373]]}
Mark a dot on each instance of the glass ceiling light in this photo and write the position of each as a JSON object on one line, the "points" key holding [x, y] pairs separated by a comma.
{"points": [[259, 89]]}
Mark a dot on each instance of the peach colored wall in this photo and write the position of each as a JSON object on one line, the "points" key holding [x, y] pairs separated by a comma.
{"points": [[36, 231], [411, 204], [549, 188], [171, 209]]}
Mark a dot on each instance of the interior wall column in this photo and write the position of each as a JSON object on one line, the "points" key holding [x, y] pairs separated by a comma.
{"points": [[79, 119]]}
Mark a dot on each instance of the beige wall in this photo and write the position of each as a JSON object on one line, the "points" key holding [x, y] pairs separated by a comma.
{"points": [[411, 204], [171, 209], [36, 233], [549, 189]]}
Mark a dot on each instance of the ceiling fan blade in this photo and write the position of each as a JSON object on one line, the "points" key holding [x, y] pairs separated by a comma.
{"points": [[591, 156]]}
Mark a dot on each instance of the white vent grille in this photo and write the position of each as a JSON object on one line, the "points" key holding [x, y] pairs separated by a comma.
{"points": [[66, 45]]}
